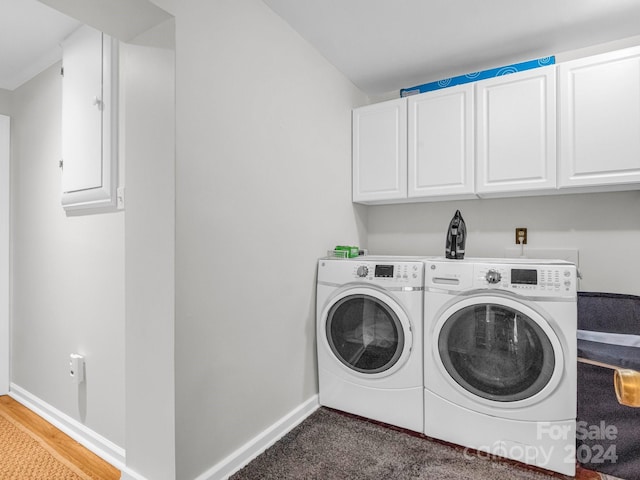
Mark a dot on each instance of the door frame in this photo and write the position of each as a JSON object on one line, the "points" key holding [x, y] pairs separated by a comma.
{"points": [[5, 182]]}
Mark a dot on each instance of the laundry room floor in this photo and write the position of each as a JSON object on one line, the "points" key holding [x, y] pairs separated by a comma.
{"points": [[331, 445]]}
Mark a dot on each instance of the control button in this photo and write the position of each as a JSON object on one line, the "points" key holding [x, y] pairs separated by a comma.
{"points": [[493, 277], [362, 271], [567, 283], [567, 273]]}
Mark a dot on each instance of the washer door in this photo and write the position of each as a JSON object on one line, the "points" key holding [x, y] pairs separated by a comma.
{"points": [[368, 332], [499, 350]]}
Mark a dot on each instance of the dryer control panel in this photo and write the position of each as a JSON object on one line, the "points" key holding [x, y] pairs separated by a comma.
{"points": [[528, 278]]}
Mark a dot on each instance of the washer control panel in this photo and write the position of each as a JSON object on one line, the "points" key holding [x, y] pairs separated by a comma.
{"points": [[386, 272], [393, 272]]}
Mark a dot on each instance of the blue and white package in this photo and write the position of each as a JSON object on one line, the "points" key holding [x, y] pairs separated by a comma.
{"points": [[475, 76]]}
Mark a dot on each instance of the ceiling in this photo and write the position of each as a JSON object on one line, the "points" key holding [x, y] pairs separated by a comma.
{"points": [[385, 45], [381, 45], [30, 33]]}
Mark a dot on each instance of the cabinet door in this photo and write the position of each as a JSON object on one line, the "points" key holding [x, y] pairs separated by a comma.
{"points": [[516, 118], [88, 120], [600, 120], [380, 152], [440, 151]]}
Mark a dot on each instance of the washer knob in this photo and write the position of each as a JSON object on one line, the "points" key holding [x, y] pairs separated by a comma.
{"points": [[362, 271], [493, 276]]}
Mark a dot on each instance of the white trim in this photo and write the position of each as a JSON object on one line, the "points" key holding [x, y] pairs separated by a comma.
{"points": [[254, 447], [5, 225], [104, 448], [131, 475]]}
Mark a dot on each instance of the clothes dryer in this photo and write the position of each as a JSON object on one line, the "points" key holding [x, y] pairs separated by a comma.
{"points": [[369, 338], [500, 358]]}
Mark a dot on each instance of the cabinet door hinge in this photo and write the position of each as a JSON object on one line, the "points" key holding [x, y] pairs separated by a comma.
{"points": [[61, 163], [62, 71]]}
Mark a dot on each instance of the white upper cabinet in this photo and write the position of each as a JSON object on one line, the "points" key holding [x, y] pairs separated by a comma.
{"points": [[600, 121], [441, 144], [497, 137], [89, 121], [516, 133], [380, 152]]}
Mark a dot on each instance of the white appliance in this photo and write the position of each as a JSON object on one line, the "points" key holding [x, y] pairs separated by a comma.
{"points": [[500, 358], [369, 334]]}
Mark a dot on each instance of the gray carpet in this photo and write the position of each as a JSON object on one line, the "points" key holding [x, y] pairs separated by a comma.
{"points": [[329, 445]]}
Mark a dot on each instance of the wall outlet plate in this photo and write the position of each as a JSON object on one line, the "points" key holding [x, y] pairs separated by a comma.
{"points": [[521, 232], [76, 368]]}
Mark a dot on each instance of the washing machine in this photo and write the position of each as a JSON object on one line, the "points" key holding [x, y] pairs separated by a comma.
{"points": [[500, 358], [369, 338]]}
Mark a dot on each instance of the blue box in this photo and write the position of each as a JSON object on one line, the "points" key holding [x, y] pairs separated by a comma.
{"points": [[475, 76]]}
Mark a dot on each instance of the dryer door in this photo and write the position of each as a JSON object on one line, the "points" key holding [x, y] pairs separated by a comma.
{"points": [[498, 350], [368, 332]]}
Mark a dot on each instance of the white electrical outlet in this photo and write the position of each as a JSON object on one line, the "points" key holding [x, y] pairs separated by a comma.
{"points": [[76, 368]]}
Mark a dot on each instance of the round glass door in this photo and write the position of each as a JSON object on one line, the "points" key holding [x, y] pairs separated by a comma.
{"points": [[365, 333], [496, 352]]}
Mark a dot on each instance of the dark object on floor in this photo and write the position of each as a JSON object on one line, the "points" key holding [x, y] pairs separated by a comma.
{"points": [[608, 434], [330, 445], [615, 446]]}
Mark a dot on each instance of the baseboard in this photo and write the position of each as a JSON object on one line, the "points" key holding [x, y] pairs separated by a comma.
{"points": [[105, 449], [250, 450], [131, 475], [115, 455]]}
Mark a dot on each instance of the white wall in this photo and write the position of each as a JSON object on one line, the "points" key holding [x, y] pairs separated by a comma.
{"points": [[148, 82], [68, 275], [262, 190], [5, 101], [144, 235], [5, 215], [5, 109], [604, 227]]}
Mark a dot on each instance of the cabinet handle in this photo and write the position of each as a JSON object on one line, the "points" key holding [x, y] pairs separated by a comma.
{"points": [[97, 102]]}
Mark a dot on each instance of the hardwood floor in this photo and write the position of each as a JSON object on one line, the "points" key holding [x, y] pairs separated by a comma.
{"points": [[64, 445]]}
